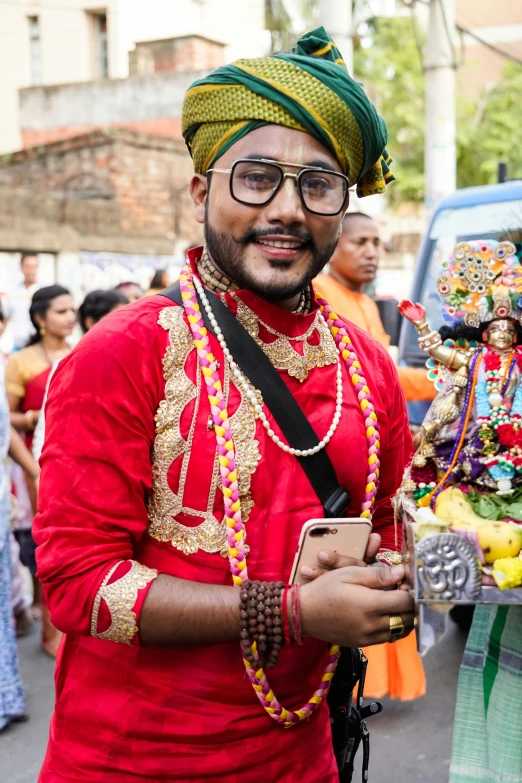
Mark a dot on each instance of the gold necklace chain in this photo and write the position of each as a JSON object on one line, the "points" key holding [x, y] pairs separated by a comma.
{"points": [[299, 338]]}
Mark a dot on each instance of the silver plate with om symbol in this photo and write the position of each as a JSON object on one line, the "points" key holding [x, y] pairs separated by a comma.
{"points": [[448, 569]]}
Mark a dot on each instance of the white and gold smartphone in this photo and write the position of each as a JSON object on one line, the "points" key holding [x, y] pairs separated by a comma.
{"points": [[347, 536]]}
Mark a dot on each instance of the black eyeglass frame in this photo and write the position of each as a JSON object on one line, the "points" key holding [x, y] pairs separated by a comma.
{"points": [[284, 175]]}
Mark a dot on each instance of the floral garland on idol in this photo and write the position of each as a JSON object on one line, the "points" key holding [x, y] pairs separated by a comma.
{"points": [[500, 425], [228, 470], [499, 421]]}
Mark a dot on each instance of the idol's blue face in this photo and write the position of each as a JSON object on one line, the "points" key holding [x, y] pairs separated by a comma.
{"points": [[276, 249]]}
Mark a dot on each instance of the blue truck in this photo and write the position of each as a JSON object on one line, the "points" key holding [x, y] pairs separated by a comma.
{"points": [[486, 212]]}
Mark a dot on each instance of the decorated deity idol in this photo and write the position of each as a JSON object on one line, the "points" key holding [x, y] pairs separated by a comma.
{"points": [[468, 467]]}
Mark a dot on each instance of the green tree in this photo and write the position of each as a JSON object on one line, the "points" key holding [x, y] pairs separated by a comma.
{"points": [[387, 61], [490, 131]]}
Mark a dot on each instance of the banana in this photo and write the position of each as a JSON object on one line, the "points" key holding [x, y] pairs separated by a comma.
{"points": [[499, 540], [452, 506], [496, 539]]}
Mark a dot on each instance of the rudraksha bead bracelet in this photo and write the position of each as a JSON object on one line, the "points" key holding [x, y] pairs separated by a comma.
{"points": [[260, 616]]}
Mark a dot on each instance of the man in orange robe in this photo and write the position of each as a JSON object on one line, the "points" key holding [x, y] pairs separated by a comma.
{"points": [[352, 267]]}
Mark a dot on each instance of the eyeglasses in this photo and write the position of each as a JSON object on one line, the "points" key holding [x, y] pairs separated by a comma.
{"points": [[256, 182]]}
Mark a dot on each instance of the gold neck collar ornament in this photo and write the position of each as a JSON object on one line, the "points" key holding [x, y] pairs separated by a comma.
{"points": [[215, 280]]}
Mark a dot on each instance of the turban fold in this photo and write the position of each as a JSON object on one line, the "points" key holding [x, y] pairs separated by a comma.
{"points": [[309, 90]]}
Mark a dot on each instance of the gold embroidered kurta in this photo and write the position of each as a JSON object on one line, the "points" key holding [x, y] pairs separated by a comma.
{"points": [[129, 483]]}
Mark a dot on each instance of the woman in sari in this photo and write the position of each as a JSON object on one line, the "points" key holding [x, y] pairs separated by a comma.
{"points": [[12, 704], [96, 305], [53, 316]]}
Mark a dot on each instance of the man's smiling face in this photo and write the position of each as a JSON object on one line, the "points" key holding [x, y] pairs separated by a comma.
{"points": [[274, 250]]}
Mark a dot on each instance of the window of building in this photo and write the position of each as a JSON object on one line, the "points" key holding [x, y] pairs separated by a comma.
{"points": [[98, 44], [35, 50], [103, 52]]}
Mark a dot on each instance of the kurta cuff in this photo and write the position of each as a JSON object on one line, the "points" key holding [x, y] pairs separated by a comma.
{"points": [[118, 602]]}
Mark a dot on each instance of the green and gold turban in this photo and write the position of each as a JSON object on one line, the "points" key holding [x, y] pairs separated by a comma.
{"points": [[309, 90]]}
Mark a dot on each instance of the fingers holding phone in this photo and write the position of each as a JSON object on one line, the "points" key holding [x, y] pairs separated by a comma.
{"points": [[330, 560], [350, 606]]}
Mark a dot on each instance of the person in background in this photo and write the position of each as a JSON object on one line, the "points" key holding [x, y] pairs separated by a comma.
{"points": [[394, 669], [21, 596], [95, 306], [131, 290], [19, 300], [11, 691], [159, 282], [352, 267], [53, 317]]}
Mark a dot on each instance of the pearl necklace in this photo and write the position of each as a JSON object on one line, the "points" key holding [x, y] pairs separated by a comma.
{"points": [[252, 397]]}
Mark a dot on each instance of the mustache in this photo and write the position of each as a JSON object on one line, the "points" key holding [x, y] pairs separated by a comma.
{"points": [[258, 233]]}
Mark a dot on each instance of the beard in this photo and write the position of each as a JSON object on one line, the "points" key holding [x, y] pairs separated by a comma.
{"points": [[228, 254]]}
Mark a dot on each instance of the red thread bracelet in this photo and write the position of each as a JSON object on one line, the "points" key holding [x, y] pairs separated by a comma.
{"points": [[296, 615], [286, 623]]}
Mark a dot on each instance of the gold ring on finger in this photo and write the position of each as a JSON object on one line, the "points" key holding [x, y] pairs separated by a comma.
{"points": [[397, 628]]}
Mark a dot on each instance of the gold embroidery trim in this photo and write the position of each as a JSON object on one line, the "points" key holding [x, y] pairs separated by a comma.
{"points": [[164, 504], [281, 352], [389, 557], [120, 597]]}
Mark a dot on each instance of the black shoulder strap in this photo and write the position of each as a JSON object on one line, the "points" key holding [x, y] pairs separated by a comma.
{"points": [[293, 423]]}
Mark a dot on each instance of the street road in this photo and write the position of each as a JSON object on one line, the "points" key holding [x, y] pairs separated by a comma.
{"points": [[410, 742]]}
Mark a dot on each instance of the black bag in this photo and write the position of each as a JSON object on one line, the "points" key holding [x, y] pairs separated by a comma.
{"points": [[348, 721]]}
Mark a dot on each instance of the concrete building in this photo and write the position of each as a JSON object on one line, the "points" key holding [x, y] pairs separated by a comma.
{"points": [[147, 103], [44, 43]]}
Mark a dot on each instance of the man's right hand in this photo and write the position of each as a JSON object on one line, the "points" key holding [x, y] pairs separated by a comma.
{"points": [[349, 606]]}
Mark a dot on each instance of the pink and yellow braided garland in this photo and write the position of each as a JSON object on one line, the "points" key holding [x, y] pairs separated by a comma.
{"points": [[345, 347], [226, 452]]}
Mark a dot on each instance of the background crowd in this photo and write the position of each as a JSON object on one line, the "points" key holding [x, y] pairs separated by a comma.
{"points": [[45, 324]]}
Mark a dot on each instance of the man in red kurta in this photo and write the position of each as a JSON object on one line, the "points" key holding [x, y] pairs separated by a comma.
{"points": [[132, 537]]}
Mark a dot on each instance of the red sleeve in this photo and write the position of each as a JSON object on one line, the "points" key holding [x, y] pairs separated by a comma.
{"points": [[395, 452], [96, 474]]}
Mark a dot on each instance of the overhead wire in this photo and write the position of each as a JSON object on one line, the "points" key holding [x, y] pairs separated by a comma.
{"points": [[496, 49], [417, 39], [467, 31]]}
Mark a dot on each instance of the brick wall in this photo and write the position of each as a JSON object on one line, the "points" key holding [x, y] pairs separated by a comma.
{"points": [[163, 126], [102, 191], [185, 53]]}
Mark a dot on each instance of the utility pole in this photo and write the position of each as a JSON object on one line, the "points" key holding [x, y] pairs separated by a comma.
{"points": [[440, 164], [336, 17]]}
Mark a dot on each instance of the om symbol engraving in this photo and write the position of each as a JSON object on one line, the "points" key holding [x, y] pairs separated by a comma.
{"points": [[447, 569]]}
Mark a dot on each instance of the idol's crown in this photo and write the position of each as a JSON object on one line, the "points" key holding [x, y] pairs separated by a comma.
{"points": [[481, 281]]}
